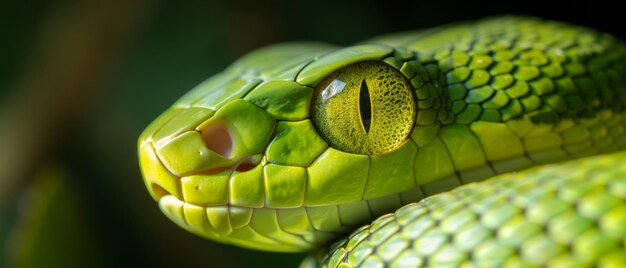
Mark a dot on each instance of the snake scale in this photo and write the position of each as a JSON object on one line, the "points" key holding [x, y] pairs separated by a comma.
{"points": [[496, 142]]}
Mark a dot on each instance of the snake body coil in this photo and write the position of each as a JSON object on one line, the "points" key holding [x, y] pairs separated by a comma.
{"points": [[296, 144]]}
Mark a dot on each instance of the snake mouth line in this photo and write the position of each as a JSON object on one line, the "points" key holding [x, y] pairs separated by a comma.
{"points": [[282, 229], [255, 228]]}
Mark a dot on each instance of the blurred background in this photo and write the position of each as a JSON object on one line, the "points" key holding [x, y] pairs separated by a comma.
{"points": [[79, 80]]}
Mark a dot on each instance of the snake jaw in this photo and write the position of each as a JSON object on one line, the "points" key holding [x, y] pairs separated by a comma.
{"points": [[230, 205]]}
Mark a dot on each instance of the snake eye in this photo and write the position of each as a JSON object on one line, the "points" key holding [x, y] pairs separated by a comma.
{"points": [[364, 108]]}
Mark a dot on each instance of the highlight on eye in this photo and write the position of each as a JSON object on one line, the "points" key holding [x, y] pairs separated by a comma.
{"points": [[364, 108]]}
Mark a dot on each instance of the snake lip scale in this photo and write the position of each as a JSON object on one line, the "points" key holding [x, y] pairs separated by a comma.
{"points": [[496, 142]]}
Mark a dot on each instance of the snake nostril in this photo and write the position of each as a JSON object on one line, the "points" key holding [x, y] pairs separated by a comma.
{"points": [[245, 167], [217, 139], [248, 163]]}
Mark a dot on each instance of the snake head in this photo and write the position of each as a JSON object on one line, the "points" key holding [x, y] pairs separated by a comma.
{"points": [[296, 144], [252, 155]]}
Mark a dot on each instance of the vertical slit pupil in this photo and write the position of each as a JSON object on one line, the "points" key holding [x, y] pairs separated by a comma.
{"points": [[365, 106]]}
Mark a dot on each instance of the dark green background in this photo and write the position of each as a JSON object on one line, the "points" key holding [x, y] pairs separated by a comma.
{"points": [[177, 45]]}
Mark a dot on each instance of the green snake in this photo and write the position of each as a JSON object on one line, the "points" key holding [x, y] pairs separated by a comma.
{"points": [[296, 145]]}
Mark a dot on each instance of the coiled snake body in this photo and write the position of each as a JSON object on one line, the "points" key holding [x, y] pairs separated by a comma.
{"points": [[295, 145]]}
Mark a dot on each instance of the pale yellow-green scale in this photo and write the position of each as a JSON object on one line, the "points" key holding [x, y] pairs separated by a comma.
{"points": [[495, 96]]}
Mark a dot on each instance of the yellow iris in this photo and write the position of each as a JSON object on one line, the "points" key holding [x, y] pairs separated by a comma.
{"points": [[365, 108]]}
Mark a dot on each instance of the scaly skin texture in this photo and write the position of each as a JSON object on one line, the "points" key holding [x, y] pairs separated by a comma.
{"points": [[239, 159], [567, 215]]}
